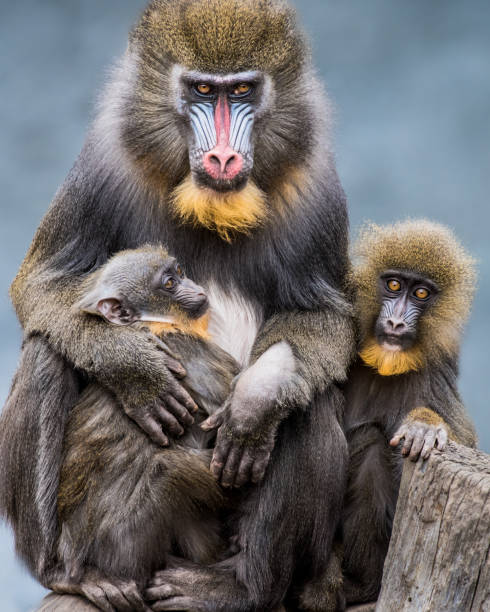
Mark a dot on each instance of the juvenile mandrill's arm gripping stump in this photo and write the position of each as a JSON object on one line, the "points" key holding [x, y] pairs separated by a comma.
{"points": [[439, 557]]}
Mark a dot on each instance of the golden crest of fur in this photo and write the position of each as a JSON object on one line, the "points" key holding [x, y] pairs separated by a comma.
{"points": [[431, 250], [226, 213], [222, 35]]}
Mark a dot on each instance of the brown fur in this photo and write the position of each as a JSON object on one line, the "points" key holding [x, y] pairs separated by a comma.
{"points": [[431, 250], [222, 36]]}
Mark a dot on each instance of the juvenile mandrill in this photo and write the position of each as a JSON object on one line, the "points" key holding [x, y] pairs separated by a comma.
{"points": [[414, 284], [124, 503], [211, 139]]}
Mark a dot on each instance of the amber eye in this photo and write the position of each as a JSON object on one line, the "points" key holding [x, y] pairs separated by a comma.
{"points": [[168, 283], [394, 285], [180, 272], [422, 293], [203, 88], [242, 89]]}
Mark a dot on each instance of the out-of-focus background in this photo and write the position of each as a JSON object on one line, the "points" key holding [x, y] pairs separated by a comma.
{"points": [[411, 85]]}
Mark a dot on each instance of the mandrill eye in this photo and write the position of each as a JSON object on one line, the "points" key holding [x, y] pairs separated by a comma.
{"points": [[168, 282], [180, 272], [203, 89], [394, 285], [422, 293], [241, 90]]}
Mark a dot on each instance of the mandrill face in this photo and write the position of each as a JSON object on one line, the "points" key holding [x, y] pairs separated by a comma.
{"points": [[216, 105], [404, 297], [219, 113]]}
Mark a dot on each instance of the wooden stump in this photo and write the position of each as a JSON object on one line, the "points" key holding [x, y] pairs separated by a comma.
{"points": [[439, 559]]}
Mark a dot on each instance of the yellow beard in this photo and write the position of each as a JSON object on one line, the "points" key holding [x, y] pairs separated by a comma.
{"points": [[390, 363], [225, 213]]}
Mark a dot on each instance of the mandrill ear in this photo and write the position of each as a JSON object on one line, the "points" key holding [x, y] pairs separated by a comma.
{"points": [[110, 308], [113, 311]]}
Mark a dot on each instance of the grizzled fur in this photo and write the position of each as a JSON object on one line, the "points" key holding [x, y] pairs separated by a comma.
{"points": [[289, 272], [376, 406], [125, 503]]}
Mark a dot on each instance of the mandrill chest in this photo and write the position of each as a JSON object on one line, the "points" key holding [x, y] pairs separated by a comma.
{"points": [[234, 321]]}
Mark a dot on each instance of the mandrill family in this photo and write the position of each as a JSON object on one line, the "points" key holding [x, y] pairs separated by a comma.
{"points": [[212, 140]]}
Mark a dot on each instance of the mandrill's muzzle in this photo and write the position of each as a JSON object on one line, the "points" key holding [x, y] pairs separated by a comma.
{"points": [[223, 133]]}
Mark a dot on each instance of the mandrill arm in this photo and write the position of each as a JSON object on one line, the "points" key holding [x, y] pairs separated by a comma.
{"points": [[134, 366], [296, 355]]}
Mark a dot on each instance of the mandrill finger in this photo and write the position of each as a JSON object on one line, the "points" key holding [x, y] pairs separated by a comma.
{"points": [[430, 439], [244, 473], [175, 603], [220, 456], [398, 436], [175, 367], [116, 597], [407, 445], [180, 412], [168, 421], [150, 426], [417, 444], [442, 438], [162, 592], [182, 396], [231, 466], [214, 421], [132, 594], [97, 596]]}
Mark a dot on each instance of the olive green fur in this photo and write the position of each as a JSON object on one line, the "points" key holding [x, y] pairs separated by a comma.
{"points": [[221, 36]]}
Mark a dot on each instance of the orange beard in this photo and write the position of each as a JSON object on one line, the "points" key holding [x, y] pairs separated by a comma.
{"points": [[390, 363], [225, 213]]}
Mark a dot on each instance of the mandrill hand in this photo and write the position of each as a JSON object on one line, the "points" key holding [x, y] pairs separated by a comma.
{"points": [[157, 402], [249, 419], [420, 438], [244, 441]]}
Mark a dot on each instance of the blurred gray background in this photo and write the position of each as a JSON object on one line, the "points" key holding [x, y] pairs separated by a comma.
{"points": [[411, 85]]}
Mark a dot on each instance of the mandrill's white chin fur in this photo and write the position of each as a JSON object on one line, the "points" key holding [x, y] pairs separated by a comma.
{"points": [[226, 213], [393, 348]]}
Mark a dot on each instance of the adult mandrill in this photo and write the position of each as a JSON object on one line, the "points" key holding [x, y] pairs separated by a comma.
{"points": [[212, 139], [414, 285]]}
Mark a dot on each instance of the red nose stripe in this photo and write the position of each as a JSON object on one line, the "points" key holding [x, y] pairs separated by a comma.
{"points": [[222, 162], [222, 121]]}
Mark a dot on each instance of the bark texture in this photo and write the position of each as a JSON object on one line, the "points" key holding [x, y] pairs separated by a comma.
{"points": [[438, 558]]}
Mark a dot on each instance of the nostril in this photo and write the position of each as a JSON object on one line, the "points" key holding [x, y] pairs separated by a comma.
{"points": [[214, 160], [396, 325], [221, 163]]}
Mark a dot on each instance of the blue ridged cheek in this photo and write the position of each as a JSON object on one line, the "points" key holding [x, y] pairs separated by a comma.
{"points": [[202, 122], [242, 118]]}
